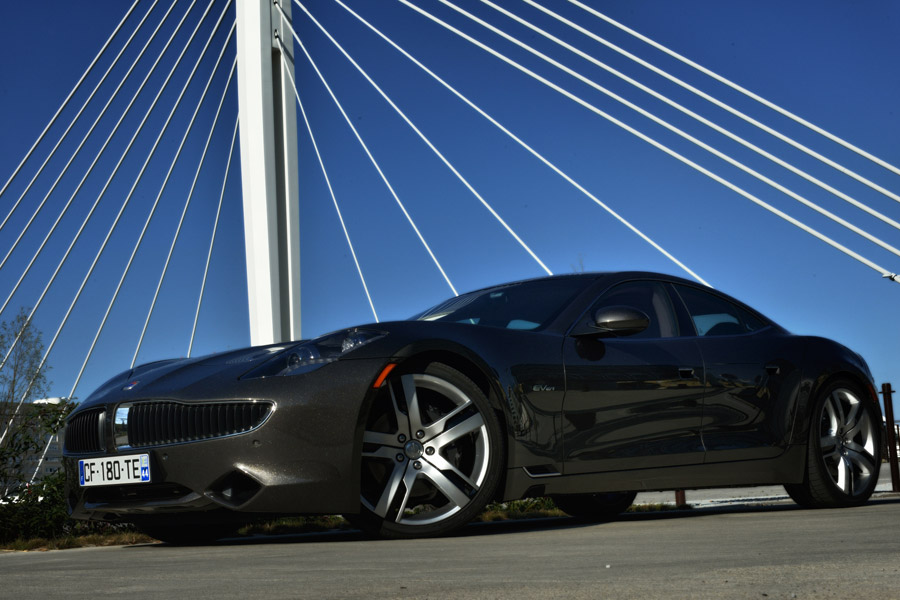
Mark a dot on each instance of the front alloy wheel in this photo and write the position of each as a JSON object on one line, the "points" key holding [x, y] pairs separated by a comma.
{"points": [[431, 454], [844, 450]]}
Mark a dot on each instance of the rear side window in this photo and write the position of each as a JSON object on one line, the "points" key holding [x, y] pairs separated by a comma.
{"points": [[715, 316]]}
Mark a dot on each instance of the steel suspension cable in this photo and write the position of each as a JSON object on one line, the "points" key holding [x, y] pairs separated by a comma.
{"points": [[374, 162], [884, 272], [50, 437], [190, 196], [69, 97], [424, 138], [116, 220], [780, 162], [735, 163], [93, 164], [164, 184], [524, 145], [751, 95], [90, 97], [337, 208], [100, 195], [75, 154], [212, 239]]}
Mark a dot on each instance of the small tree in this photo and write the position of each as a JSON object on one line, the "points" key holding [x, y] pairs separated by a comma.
{"points": [[24, 426]]}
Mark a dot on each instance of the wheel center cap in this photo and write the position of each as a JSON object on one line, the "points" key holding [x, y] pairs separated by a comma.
{"points": [[414, 449]]}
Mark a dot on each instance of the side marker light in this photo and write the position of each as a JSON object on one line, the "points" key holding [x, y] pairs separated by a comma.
{"points": [[384, 373]]}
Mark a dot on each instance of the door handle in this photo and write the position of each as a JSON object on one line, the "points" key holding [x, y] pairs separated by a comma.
{"points": [[686, 372]]}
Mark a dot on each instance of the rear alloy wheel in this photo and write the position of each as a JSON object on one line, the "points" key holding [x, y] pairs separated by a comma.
{"points": [[431, 457], [844, 450], [595, 507]]}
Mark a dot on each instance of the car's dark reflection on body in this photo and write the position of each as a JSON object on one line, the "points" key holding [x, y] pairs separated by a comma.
{"points": [[587, 388]]}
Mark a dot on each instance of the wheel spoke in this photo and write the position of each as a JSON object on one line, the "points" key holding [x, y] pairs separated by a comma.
{"points": [[471, 424], [442, 464], [408, 481], [844, 475], [446, 487], [860, 459], [438, 426], [402, 419], [382, 439], [381, 452], [851, 421], [390, 489], [412, 402], [860, 423], [835, 412], [827, 442]]}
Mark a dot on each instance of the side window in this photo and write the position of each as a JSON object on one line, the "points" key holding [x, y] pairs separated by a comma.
{"points": [[713, 316], [650, 298]]}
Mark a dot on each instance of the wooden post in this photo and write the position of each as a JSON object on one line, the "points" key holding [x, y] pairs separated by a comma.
{"points": [[887, 395]]}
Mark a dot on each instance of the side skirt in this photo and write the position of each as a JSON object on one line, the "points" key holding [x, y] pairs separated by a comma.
{"points": [[787, 468]]}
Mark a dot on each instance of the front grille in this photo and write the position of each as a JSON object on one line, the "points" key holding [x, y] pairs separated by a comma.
{"points": [[157, 423], [84, 433]]}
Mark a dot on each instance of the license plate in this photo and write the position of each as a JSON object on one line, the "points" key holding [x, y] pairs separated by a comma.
{"points": [[114, 470]]}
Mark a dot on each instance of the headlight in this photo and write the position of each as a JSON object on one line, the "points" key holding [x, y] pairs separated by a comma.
{"points": [[309, 356]]}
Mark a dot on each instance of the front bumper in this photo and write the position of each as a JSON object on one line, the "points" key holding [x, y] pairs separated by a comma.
{"points": [[303, 459]]}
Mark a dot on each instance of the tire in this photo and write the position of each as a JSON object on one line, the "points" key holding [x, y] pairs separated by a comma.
{"points": [[188, 534], [843, 450], [432, 455], [595, 507]]}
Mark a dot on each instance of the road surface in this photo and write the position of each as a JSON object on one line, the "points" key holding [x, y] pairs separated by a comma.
{"points": [[776, 551]]}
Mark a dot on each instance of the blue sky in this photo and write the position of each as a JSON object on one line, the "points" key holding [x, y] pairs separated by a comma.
{"points": [[832, 63]]}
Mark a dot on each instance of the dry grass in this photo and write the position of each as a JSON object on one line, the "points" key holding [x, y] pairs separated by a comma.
{"points": [[126, 538], [530, 508]]}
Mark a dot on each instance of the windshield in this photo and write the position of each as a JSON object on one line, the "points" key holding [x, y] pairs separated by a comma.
{"points": [[527, 305]]}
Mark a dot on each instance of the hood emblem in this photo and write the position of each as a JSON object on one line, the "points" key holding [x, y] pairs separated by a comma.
{"points": [[130, 385]]}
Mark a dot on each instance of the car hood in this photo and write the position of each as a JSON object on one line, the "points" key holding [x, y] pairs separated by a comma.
{"points": [[162, 378]]}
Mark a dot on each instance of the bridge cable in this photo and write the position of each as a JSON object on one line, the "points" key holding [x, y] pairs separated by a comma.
{"points": [[100, 195], [50, 437], [681, 132], [190, 196], [742, 90], [374, 163], [87, 101], [696, 116], [527, 147], [212, 239], [162, 187], [109, 233], [885, 273], [337, 208], [81, 144], [69, 97], [121, 210], [425, 139]]}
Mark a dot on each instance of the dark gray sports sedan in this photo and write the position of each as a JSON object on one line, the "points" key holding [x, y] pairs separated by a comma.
{"points": [[587, 388]]}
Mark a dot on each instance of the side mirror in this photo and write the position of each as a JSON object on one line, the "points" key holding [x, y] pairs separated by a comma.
{"points": [[620, 320]]}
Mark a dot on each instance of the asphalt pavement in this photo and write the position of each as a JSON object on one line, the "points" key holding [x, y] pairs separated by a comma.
{"points": [[774, 551], [765, 494], [734, 543]]}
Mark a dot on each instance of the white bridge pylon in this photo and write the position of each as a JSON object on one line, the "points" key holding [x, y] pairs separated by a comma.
{"points": [[269, 173]]}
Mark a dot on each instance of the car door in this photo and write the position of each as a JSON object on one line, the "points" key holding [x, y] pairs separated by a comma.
{"points": [[635, 401], [752, 373]]}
